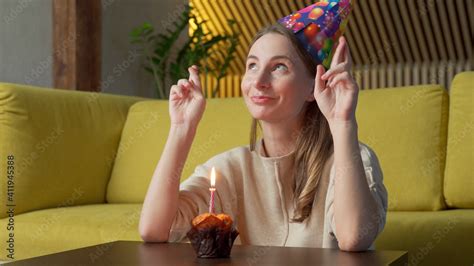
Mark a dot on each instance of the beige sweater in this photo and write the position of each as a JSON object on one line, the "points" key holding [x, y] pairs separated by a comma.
{"points": [[256, 192]]}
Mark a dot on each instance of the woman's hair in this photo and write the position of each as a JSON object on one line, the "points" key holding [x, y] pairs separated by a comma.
{"points": [[314, 143]]}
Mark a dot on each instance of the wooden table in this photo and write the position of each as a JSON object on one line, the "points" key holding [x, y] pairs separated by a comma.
{"points": [[139, 253]]}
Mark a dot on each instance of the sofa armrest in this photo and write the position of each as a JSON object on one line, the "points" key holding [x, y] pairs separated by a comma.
{"points": [[59, 145], [458, 178]]}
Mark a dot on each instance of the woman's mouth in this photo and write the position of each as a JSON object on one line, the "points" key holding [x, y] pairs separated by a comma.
{"points": [[261, 99]]}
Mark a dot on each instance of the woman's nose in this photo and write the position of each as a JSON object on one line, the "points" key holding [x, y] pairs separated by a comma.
{"points": [[262, 80]]}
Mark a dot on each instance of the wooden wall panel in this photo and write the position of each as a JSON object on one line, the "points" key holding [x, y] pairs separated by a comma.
{"points": [[392, 41], [77, 44]]}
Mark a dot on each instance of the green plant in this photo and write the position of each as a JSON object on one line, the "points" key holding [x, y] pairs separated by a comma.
{"points": [[212, 53]]}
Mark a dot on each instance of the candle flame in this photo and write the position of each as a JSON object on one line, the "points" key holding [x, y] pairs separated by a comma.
{"points": [[213, 177]]}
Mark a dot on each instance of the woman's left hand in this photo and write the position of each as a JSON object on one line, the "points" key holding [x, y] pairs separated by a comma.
{"points": [[336, 91]]}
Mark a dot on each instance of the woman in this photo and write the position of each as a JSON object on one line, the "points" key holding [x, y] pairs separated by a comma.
{"points": [[308, 182]]}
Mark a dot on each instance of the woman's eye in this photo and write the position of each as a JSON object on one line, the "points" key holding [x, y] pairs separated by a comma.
{"points": [[252, 66], [281, 67]]}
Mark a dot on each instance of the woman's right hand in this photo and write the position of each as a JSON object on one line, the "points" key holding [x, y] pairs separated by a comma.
{"points": [[187, 103]]}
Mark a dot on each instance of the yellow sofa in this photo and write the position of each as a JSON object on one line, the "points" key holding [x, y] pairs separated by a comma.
{"points": [[82, 162]]}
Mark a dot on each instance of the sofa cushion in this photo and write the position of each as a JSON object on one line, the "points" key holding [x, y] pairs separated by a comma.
{"points": [[59, 229], [225, 125], [431, 238], [62, 142], [459, 175], [406, 127]]}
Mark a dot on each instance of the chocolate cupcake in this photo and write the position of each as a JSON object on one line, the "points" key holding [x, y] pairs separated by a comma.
{"points": [[212, 236]]}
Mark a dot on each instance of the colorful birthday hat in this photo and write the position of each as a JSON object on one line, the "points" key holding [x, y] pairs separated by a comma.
{"points": [[319, 26]]}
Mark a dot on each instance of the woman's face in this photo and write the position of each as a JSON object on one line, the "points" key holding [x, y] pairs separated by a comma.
{"points": [[276, 84]]}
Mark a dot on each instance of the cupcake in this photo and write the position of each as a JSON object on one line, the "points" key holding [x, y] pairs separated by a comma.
{"points": [[212, 236]]}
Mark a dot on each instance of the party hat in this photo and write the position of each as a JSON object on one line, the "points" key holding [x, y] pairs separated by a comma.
{"points": [[319, 26]]}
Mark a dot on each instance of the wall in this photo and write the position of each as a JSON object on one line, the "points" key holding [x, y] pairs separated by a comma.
{"points": [[26, 42]]}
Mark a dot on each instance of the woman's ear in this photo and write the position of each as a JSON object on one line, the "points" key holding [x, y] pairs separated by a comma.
{"points": [[310, 97]]}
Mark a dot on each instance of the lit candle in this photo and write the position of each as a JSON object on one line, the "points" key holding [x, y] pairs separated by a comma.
{"points": [[212, 189]]}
